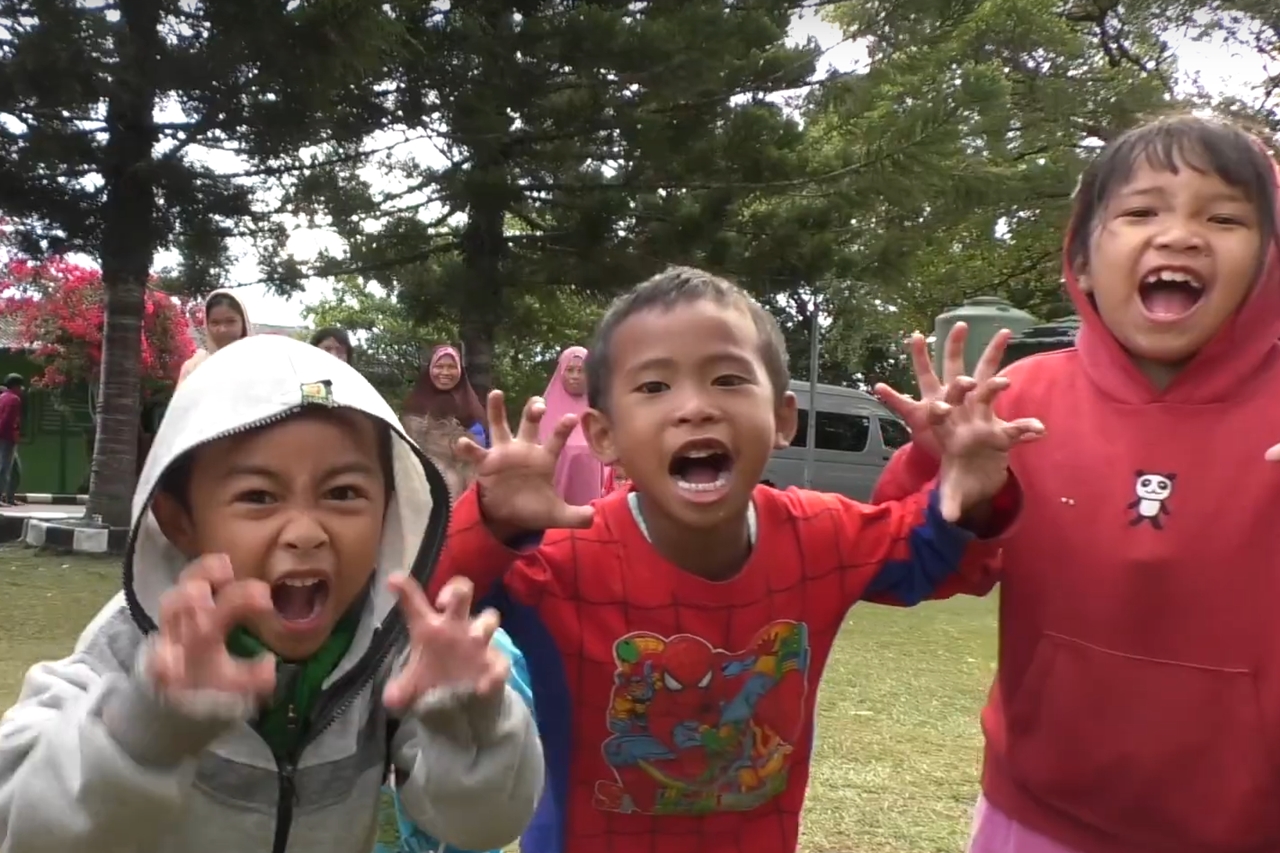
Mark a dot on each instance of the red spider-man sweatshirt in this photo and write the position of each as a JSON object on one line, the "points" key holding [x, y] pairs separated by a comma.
{"points": [[677, 713], [1136, 708]]}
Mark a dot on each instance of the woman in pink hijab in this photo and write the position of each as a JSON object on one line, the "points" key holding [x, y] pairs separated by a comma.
{"points": [[579, 477]]}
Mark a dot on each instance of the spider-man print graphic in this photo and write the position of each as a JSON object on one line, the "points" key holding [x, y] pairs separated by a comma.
{"points": [[696, 729]]}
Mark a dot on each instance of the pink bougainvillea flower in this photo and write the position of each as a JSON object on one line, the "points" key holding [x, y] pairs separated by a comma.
{"points": [[58, 306]]}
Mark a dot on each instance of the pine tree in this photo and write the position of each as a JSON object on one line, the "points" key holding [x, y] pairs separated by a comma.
{"points": [[106, 106], [580, 143]]}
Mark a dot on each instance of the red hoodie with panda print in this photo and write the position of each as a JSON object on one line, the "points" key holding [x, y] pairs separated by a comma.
{"points": [[1136, 708]]}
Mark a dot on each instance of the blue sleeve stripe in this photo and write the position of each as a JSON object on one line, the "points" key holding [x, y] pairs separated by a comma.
{"points": [[549, 684], [935, 548], [519, 678]]}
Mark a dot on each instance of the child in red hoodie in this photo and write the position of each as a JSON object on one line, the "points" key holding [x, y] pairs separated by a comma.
{"points": [[1136, 707]]}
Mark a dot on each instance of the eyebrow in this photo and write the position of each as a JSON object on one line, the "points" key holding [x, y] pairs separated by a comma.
{"points": [[663, 362], [355, 467], [656, 363], [1233, 196]]}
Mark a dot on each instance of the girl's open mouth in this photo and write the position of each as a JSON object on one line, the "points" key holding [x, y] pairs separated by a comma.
{"points": [[1169, 295]]}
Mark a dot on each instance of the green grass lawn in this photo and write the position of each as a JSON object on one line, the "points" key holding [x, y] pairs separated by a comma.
{"points": [[896, 765]]}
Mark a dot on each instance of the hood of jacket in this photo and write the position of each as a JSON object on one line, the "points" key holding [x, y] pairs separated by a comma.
{"points": [[1215, 373], [216, 401]]}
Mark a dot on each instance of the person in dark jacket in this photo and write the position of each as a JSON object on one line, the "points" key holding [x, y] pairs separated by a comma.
{"points": [[10, 427]]}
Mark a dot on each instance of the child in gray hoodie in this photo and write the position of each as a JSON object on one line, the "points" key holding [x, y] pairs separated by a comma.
{"points": [[239, 693]]}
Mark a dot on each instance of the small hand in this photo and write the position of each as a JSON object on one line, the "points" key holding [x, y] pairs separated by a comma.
{"points": [[916, 413], [447, 647], [190, 650], [975, 443], [515, 475]]}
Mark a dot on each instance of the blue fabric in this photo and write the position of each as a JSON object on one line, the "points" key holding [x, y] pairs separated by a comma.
{"points": [[413, 839], [478, 433], [545, 833], [935, 549]]}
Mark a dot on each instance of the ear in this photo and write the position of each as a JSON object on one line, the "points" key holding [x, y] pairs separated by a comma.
{"points": [[786, 421], [1080, 269], [599, 435], [175, 523]]}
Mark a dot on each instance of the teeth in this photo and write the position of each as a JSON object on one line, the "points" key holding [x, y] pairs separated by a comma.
{"points": [[720, 483], [300, 581], [1171, 275], [699, 454]]}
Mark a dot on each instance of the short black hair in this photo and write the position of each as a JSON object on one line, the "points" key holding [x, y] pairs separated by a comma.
{"points": [[1207, 145], [337, 334], [14, 380], [668, 289], [176, 479]]}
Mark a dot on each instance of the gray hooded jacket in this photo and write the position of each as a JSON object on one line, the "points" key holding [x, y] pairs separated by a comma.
{"points": [[91, 759]]}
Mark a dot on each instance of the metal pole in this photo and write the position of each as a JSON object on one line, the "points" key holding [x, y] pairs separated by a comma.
{"points": [[811, 425]]}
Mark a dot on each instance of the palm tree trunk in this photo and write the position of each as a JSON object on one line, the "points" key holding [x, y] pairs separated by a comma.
{"points": [[114, 469], [128, 246]]}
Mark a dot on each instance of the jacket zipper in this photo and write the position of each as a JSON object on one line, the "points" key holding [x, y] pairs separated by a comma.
{"points": [[287, 793], [342, 695]]}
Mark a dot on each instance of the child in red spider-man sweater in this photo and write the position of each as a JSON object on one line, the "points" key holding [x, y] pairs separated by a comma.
{"points": [[675, 632]]}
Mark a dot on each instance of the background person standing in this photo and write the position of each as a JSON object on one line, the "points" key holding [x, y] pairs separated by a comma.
{"points": [[10, 427]]}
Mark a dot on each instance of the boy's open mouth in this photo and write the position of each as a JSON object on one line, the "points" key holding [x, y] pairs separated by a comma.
{"points": [[299, 599], [701, 466], [1168, 294]]}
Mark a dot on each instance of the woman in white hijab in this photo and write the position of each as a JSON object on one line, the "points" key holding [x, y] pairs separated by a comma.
{"points": [[225, 322]]}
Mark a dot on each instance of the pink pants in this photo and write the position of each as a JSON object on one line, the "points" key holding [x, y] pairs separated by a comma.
{"points": [[996, 832]]}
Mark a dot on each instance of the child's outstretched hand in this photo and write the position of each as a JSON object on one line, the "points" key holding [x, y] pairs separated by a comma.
{"points": [[975, 443], [189, 653], [916, 413], [448, 649], [515, 475]]}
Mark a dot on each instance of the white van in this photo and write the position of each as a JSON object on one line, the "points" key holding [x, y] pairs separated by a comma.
{"points": [[854, 437]]}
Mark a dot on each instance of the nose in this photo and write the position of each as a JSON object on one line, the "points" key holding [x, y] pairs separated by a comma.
{"points": [[695, 407], [1180, 236], [302, 532]]}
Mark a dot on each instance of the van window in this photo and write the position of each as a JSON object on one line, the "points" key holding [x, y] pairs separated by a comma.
{"points": [[845, 433], [801, 438], [894, 433], [835, 431]]}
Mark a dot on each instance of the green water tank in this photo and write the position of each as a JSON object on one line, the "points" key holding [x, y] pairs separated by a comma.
{"points": [[1045, 337], [985, 315]]}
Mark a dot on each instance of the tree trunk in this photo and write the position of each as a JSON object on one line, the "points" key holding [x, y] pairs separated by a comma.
{"points": [[484, 123], [484, 246], [128, 246]]}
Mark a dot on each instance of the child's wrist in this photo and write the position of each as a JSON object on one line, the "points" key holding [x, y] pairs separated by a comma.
{"points": [[991, 516], [975, 509], [151, 729], [501, 530], [976, 517]]}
